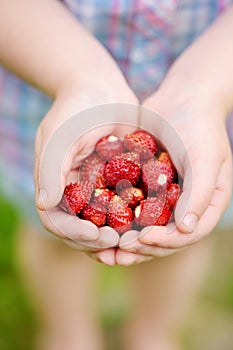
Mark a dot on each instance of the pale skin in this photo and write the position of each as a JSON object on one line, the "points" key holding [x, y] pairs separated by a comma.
{"points": [[79, 73]]}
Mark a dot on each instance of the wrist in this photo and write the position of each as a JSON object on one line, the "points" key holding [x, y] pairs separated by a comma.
{"points": [[96, 86], [104, 78], [204, 69], [182, 89], [75, 94]]}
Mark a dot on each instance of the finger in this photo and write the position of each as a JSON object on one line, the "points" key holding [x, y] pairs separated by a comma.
{"points": [[134, 245], [198, 188], [173, 238], [52, 166], [106, 256], [152, 232], [108, 238], [68, 226], [170, 237], [219, 202], [124, 258]]}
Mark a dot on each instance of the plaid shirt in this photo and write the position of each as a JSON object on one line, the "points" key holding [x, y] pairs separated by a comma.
{"points": [[143, 36]]}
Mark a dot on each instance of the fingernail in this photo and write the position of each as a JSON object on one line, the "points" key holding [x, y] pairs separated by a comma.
{"points": [[106, 258], [190, 222], [41, 198]]}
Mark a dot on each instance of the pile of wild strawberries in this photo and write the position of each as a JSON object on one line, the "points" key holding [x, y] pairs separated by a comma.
{"points": [[126, 183]]}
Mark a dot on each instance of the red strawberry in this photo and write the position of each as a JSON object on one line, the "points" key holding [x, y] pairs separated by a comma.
{"points": [[164, 157], [148, 212], [132, 196], [156, 175], [165, 216], [152, 212], [94, 212], [134, 157], [119, 168], [109, 146], [120, 216], [92, 170], [103, 196], [171, 195], [142, 143], [76, 196], [122, 184]]}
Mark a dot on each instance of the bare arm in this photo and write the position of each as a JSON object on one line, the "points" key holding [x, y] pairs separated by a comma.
{"points": [[195, 98], [41, 42], [206, 66]]}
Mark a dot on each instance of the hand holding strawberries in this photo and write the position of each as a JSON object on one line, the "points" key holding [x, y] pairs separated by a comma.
{"points": [[198, 117], [108, 166], [61, 145]]}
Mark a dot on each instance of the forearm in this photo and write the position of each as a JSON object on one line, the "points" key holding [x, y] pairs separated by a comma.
{"points": [[41, 42], [205, 67]]}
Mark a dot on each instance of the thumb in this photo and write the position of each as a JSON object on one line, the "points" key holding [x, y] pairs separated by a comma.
{"points": [[54, 162], [50, 173], [198, 188]]}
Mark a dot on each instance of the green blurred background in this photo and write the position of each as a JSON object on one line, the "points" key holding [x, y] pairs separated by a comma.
{"points": [[209, 324]]}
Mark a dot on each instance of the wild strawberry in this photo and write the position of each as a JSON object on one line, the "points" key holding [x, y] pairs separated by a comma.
{"points": [[142, 143], [171, 195], [164, 157], [122, 184], [120, 216], [119, 168], [109, 146], [132, 156], [152, 212], [92, 170], [103, 196], [156, 175], [94, 212], [76, 196], [132, 196], [148, 212], [165, 216]]}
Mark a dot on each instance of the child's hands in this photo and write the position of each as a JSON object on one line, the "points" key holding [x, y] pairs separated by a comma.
{"points": [[56, 162], [195, 97], [206, 167]]}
